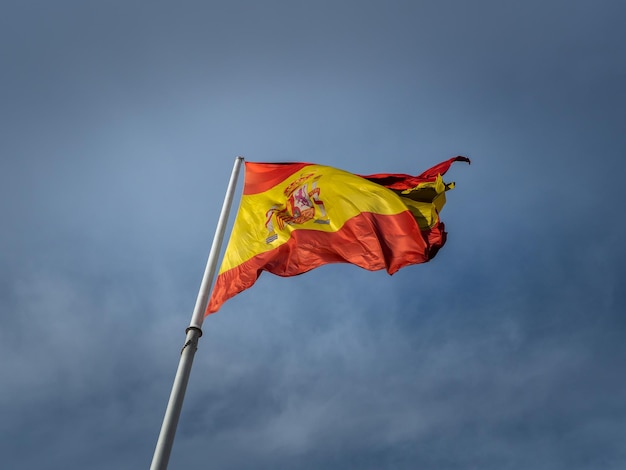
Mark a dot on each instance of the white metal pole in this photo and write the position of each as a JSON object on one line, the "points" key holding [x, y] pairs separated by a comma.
{"points": [[174, 406]]}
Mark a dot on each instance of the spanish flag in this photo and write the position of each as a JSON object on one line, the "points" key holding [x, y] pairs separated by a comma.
{"points": [[294, 217]]}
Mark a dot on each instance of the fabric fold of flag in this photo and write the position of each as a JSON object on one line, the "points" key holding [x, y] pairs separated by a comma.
{"points": [[294, 217]]}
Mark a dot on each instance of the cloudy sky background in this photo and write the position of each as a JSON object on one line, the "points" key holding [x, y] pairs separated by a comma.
{"points": [[119, 125]]}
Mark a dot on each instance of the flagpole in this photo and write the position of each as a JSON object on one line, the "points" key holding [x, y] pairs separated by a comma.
{"points": [[174, 406]]}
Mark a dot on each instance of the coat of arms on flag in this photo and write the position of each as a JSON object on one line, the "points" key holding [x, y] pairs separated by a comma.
{"points": [[302, 205]]}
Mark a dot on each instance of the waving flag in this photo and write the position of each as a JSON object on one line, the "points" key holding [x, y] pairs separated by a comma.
{"points": [[294, 217]]}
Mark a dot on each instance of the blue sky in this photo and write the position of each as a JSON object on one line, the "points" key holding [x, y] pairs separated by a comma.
{"points": [[119, 125]]}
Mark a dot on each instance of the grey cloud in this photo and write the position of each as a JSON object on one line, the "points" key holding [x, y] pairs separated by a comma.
{"points": [[119, 127]]}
